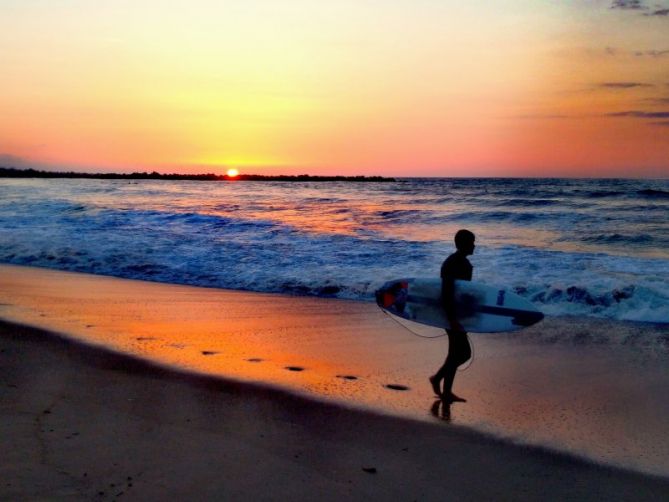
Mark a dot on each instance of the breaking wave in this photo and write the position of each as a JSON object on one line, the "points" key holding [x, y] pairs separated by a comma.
{"points": [[344, 241]]}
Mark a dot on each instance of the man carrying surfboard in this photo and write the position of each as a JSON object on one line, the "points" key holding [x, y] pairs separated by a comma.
{"points": [[456, 266]]}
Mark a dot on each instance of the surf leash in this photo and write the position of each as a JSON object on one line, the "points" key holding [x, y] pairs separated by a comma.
{"points": [[471, 345], [408, 328]]}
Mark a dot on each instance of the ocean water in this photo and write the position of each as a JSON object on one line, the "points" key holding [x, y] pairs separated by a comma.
{"points": [[597, 248]]}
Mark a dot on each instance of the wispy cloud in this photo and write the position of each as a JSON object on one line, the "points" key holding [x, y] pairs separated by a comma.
{"points": [[9, 160], [623, 85], [661, 117], [628, 5], [540, 116], [639, 5], [652, 53], [658, 101], [640, 114], [659, 12], [615, 52]]}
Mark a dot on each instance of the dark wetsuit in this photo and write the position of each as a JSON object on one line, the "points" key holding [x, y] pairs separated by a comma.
{"points": [[456, 266]]}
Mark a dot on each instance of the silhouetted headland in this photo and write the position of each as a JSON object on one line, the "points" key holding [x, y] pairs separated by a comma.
{"points": [[6, 172]]}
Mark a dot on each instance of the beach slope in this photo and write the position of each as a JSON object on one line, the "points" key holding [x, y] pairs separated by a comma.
{"points": [[81, 422], [119, 388]]}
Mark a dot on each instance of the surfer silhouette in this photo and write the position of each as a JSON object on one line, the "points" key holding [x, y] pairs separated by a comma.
{"points": [[456, 266]]}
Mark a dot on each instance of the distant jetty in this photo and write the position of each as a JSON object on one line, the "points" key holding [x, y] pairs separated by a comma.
{"points": [[7, 172]]}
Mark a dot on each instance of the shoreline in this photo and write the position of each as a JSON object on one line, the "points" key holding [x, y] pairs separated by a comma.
{"points": [[157, 431], [631, 323]]}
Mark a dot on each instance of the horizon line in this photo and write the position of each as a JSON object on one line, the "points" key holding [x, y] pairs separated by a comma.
{"points": [[242, 175]]}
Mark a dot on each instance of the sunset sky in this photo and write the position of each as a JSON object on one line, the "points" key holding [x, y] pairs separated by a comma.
{"points": [[394, 87]]}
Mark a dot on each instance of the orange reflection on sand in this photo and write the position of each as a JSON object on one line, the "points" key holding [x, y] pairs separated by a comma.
{"points": [[273, 339]]}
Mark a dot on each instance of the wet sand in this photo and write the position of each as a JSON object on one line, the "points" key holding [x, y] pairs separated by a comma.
{"points": [[305, 362]]}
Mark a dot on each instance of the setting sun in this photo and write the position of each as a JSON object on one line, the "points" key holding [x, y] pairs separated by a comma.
{"points": [[232, 173]]}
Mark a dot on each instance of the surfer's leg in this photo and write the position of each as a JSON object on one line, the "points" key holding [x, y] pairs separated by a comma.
{"points": [[435, 380], [459, 353], [464, 349]]}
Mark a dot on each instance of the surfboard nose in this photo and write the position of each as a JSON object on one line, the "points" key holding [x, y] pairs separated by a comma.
{"points": [[528, 318], [392, 294], [382, 291], [379, 296], [384, 296]]}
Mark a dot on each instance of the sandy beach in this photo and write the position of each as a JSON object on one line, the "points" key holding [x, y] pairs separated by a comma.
{"points": [[83, 423], [101, 400]]}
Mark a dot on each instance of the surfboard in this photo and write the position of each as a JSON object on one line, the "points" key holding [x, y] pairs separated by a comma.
{"points": [[480, 308]]}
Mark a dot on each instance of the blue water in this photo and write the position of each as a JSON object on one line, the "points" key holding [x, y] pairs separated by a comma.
{"points": [[584, 247]]}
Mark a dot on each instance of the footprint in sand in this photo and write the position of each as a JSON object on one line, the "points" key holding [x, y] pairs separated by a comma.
{"points": [[394, 386], [347, 377], [294, 368], [144, 338], [209, 352], [254, 360]]}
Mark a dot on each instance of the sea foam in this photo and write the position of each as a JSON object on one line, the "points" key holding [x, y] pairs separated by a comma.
{"points": [[573, 247]]}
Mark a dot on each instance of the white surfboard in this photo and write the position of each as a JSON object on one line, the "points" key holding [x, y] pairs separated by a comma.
{"points": [[480, 308]]}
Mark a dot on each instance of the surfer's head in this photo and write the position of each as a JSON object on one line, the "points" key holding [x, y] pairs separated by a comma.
{"points": [[464, 241]]}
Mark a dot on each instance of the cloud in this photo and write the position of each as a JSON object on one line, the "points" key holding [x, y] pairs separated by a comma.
{"points": [[542, 116], [615, 52], [640, 114], [628, 5], [639, 5], [623, 85], [652, 53], [637, 114], [9, 160], [657, 101]]}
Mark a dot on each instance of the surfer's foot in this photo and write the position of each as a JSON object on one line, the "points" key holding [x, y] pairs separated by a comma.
{"points": [[452, 398], [441, 410], [434, 381]]}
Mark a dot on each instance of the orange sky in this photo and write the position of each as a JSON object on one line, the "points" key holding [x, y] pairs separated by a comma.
{"points": [[396, 87]]}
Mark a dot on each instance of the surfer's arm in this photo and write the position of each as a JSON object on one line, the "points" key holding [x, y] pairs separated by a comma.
{"points": [[449, 272], [448, 297], [448, 301]]}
